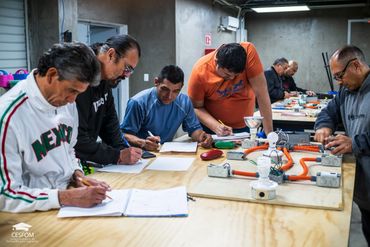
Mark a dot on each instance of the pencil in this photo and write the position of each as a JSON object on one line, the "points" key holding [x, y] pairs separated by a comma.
{"points": [[85, 182], [221, 122]]}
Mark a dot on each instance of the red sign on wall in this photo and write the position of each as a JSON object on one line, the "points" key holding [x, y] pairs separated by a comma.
{"points": [[208, 39]]}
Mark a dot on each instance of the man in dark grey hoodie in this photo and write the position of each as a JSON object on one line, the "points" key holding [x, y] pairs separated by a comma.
{"points": [[352, 108]]}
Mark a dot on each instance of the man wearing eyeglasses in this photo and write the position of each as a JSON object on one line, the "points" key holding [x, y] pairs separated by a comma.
{"points": [[118, 57], [350, 107]]}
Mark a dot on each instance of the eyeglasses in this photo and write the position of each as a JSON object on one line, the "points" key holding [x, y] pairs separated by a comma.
{"points": [[339, 76], [128, 69]]}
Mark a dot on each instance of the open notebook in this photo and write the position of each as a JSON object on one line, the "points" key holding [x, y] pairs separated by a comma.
{"points": [[235, 136], [136, 203]]}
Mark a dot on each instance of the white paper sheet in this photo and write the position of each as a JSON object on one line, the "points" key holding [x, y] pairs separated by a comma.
{"points": [[136, 168], [171, 164], [235, 136], [182, 147], [152, 203]]}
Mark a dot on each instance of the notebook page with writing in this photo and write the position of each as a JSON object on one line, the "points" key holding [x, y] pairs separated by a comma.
{"points": [[158, 203], [109, 207]]}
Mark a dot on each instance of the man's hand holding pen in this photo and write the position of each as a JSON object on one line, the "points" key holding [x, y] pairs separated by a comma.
{"points": [[152, 142], [85, 191], [223, 130], [205, 140]]}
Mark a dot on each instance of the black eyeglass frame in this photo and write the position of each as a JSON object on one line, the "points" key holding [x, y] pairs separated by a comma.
{"points": [[339, 76], [128, 68]]}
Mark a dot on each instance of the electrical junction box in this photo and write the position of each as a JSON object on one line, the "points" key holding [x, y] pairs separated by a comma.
{"points": [[328, 179], [230, 23], [331, 160], [219, 171], [235, 155], [298, 137]]}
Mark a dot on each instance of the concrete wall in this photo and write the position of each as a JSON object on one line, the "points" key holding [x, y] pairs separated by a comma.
{"points": [[195, 19], [114, 11], [303, 36], [152, 23], [43, 23]]}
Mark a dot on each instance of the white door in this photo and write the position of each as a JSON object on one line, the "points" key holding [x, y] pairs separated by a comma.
{"points": [[90, 33]]}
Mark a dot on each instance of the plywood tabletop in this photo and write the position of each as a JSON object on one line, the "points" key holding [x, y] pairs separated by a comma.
{"points": [[211, 222]]}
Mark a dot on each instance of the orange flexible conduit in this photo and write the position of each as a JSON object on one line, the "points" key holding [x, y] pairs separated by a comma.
{"points": [[252, 149], [247, 174], [286, 166], [289, 164], [303, 175], [307, 148]]}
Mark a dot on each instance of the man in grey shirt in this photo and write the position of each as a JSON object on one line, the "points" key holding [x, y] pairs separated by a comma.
{"points": [[350, 107]]}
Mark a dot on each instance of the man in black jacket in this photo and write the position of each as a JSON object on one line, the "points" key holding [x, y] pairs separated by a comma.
{"points": [[275, 87], [289, 84], [118, 57]]}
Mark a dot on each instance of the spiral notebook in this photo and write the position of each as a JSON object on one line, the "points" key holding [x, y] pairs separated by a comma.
{"points": [[136, 203]]}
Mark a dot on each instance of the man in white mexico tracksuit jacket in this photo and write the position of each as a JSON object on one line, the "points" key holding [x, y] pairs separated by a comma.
{"points": [[37, 151]]}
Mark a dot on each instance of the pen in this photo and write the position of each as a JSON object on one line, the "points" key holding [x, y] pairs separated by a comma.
{"points": [[221, 122], [85, 182], [125, 140], [151, 134]]}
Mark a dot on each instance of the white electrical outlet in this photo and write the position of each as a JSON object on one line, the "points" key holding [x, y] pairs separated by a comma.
{"points": [[146, 77]]}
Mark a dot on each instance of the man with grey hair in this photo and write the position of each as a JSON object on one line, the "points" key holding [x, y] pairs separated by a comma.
{"points": [[38, 130], [351, 108], [273, 74], [289, 84], [118, 57]]}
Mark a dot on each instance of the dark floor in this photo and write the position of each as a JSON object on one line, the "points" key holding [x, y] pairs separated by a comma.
{"points": [[356, 238]]}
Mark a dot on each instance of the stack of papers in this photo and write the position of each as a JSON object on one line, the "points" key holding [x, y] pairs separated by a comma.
{"points": [[136, 203], [135, 168], [235, 136], [181, 147]]}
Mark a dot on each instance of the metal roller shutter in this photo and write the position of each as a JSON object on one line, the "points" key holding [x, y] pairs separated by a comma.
{"points": [[13, 51]]}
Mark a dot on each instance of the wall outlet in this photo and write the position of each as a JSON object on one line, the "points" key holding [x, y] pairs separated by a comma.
{"points": [[146, 77]]}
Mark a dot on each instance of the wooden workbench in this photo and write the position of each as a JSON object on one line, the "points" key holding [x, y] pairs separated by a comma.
{"points": [[210, 222]]}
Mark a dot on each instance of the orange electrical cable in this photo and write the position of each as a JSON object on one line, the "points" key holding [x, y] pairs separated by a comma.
{"points": [[304, 166], [289, 164], [252, 149], [242, 173], [295, 178], [310, 106], [307, 148], [314, 102]]}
